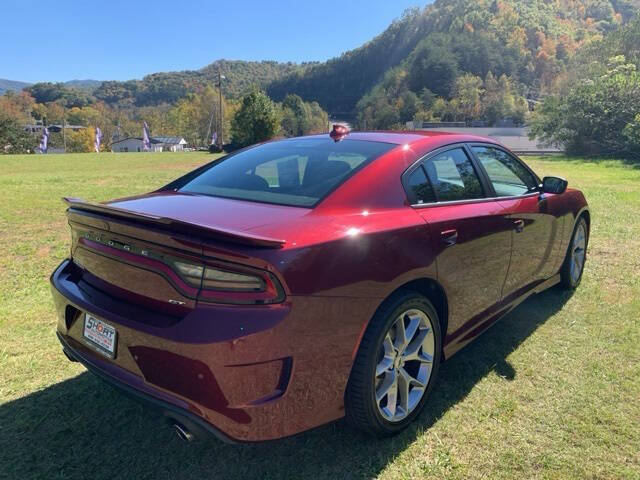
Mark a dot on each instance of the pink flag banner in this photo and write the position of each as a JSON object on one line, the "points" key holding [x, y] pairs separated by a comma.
{"points": [[146, 138], [44, 141], [98, 139]]}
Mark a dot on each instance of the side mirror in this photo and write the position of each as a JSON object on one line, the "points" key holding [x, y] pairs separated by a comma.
{"points": [[555, 185]]}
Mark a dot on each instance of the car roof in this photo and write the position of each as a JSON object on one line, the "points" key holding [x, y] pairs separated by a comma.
{"points": [[411, 136]]}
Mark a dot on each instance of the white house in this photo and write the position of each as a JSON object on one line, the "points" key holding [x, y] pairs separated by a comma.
{"points": [[171, 144], [158, 144]]}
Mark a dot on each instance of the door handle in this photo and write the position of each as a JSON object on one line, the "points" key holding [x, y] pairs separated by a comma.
{"points": [[449, 237], [518, 225]]}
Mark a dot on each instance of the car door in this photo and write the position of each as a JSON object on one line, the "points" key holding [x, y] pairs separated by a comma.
{"points": [[534, 227], [470, 232]]}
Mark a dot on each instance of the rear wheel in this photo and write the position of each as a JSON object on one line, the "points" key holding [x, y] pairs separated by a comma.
{"points": [[573, 266], [396, 365]]}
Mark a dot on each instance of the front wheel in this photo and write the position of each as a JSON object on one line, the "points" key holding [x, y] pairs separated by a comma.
{"points": [[573, 266], [396, 365]]}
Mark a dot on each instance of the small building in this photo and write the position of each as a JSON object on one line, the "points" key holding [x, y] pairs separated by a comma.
{"points": [[171, 144], [158, 144], [38, 128], [58, 128], [134, 144]]}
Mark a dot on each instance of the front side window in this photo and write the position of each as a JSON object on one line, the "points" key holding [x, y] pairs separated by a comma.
{"points": [[453, 177], [297, 172], [508, 176]]}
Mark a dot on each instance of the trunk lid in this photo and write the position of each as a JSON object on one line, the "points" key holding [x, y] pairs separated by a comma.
{"points": [[126, 248], [211, 212]]}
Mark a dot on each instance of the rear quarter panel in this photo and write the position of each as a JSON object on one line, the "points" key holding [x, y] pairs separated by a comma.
{"points": [[357, 254]]}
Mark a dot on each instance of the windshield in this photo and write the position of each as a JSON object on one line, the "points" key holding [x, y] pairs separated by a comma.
{"points": [[296, 172]]}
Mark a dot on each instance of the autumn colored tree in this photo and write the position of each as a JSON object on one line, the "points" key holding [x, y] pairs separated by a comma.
{"points": [[197, 116], [598, 116], [81, 141], [17, 106], [467, 93]]}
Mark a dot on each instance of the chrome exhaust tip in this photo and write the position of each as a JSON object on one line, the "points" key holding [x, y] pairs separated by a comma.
{"points": [[182, 433]]}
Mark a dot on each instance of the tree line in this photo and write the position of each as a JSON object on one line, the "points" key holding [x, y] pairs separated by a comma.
{"points": [[595, 109], [194, 117], [531, 42]]}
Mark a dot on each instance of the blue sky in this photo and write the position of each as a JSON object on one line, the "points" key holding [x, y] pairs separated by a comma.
{"points": [[61, 40]]}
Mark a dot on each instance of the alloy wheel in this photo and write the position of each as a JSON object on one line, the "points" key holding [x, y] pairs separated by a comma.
{"points": [[405, 362], [578, 252]]}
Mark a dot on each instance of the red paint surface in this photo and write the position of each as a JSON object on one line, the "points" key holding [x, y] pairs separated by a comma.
{"points": [[339, 262]]}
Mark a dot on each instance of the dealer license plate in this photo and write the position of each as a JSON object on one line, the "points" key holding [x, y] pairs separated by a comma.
{"points": [[100, 335]]}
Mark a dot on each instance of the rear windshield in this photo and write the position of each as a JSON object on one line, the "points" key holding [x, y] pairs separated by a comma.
{"points": [[296, 172]]}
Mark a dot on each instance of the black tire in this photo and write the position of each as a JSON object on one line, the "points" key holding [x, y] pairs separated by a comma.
{"points": [[567, 281], [361, 406]]}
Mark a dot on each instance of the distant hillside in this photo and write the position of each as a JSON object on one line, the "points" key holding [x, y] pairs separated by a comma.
{"points": [[241, 75], [339, 83], [530, 41], [6, 85], [16, 86], [168, 87]]}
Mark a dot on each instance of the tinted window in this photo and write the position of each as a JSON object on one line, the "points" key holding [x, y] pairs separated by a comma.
{"points": [[508, 176], [420, 190], [453, 176], [297, 172]]}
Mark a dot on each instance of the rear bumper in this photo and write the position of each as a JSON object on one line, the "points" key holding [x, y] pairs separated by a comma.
{"points": [[241, 373], [194, 423]]}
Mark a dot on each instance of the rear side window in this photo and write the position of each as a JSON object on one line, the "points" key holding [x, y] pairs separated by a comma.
{"points": [[453, 177], [508, 176], [420, 190], [297, 172]]}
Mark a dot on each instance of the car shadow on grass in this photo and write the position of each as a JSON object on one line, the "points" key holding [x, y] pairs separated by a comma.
{"points": [[81, 428]]}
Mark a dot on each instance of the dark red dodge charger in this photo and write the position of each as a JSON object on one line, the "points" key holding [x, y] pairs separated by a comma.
{"points": [[298, 281]]}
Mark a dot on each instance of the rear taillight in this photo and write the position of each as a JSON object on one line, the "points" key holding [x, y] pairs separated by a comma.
{"points": [[192, 274], [231, 284], [215, 279]]}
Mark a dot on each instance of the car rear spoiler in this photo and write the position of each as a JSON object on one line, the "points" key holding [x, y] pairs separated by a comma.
{"points": [[221, 234]]}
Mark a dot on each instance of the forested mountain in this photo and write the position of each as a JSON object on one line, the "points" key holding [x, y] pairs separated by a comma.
{"points": [[168, 87], [158, 88], [339, 83], [530, 41], [241, 75]]}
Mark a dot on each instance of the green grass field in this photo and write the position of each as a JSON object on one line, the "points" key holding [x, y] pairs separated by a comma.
{"points": [[551, 391]]}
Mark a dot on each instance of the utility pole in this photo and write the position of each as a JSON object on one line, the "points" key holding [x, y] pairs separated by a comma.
{"points": [[220, 77], [64, 134], [208, 137]]}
